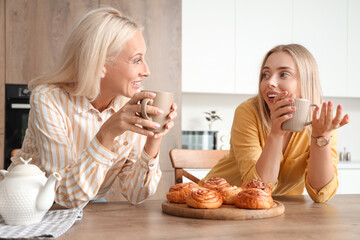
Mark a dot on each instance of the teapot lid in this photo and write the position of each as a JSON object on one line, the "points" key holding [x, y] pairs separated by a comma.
{"points": [[25, 169]]}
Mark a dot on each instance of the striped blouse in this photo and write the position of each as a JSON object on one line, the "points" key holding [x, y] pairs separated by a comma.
{"points": [[61, 138]]}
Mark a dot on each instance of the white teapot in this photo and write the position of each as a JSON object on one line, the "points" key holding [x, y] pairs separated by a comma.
{"points": [[26, 194]]}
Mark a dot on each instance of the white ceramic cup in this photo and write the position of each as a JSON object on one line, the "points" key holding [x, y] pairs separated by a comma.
{"points": [[300, 117]]}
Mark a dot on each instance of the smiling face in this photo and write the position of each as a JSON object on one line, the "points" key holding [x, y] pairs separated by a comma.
{"points": [[280, 73], [125, 74]]}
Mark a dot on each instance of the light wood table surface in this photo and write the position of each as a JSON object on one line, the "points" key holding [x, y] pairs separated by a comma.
{"points": [[303, 219]]}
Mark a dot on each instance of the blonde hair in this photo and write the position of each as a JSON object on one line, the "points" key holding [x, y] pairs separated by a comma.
{"points": [[309, 80], [97, 38]]}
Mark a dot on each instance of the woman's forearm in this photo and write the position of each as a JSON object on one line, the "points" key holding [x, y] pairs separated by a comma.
{"points": [[321, 168], [268, 164]]}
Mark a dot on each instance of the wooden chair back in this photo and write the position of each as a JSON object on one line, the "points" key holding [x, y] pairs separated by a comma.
{"points": [[193, 159]]}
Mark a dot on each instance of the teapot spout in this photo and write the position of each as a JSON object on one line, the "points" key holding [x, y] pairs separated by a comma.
{"points": [[3, 172], [46, 195]]}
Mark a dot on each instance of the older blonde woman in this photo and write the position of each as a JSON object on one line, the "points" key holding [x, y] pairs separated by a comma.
{"points": [[287, 161], [84, 120]]}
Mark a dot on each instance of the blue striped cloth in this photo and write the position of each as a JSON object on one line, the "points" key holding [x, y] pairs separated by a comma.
{"points": [[54, 224]]}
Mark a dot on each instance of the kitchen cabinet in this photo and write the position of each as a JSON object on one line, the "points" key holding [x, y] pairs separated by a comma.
{"points": [[349, 181], [35, 34], [260, 25], [321, 26], [330, 30], [353, 83], [208, 46]]}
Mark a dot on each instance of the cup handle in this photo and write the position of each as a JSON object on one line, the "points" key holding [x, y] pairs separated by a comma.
{"points": [[310, 122], [144, 103]]}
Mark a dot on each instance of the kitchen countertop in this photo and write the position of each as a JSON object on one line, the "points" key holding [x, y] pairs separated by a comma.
{"points": [[303, 219], [349, 165]]}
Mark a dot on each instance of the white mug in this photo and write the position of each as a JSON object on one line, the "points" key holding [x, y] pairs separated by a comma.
{"points": [[300, 117], [162, 100]]}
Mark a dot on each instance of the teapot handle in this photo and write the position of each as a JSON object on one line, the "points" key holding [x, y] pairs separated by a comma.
{"points": [[3, 172]]}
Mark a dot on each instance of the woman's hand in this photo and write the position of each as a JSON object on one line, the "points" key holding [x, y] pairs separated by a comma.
{"points": [[323, 123], [172, 115], [280, 111], [152, 144], [128, 119]]}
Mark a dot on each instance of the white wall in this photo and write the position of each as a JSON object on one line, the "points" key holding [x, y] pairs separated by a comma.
{"points": [[195, 104]]}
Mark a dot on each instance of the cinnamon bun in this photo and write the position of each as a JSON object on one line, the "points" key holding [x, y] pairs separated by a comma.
{"points": [[228, 194], [178, 192], [204, 198], [253, 198], [256, 183], [215, 183]]}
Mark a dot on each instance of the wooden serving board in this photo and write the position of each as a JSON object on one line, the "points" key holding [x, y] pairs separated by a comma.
{"points": [[225, 212]]}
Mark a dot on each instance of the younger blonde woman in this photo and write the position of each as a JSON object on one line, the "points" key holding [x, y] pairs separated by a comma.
{"points": [[287, 161]]}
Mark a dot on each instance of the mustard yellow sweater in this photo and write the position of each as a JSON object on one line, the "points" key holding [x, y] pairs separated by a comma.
{"points": [[246, 145]]}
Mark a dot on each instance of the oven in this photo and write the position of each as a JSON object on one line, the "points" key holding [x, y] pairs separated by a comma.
{"points": [[17, 109]]}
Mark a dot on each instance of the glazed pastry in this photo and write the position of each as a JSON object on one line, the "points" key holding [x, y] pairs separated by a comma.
{"points": [[253, 198], [228, 194], [215, 183], [204, 198], [179, 192], [256, 183]]}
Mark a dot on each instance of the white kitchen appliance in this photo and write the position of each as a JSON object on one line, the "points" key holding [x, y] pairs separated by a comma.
{"points": [[222, 140], [206, 140]]}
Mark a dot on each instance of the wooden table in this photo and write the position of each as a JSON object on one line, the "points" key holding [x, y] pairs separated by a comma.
{"points": [[303, 219]]}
